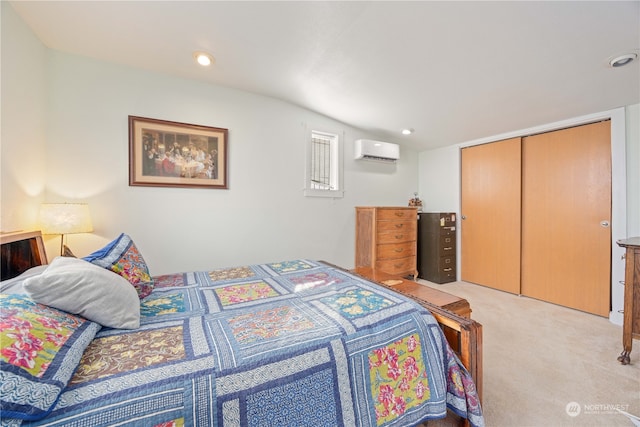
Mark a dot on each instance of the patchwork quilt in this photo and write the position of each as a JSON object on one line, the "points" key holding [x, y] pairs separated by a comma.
{"points": [[296, 343]]}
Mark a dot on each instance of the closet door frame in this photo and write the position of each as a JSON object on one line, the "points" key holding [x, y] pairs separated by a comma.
{"points": [[618, 191]]}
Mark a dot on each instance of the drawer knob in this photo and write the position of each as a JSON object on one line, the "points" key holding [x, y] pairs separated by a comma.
{"points": [[399, 225], [399, 236], [448, 269], [447, 248]]}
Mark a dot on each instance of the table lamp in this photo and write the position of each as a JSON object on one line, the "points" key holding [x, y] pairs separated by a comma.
{"points": [[65, 218]]}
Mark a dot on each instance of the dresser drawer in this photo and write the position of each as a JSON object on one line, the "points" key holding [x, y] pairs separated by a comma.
{"points": [[397, 266], [396, 250], [397, 214], [395, 236], [392, 226]]}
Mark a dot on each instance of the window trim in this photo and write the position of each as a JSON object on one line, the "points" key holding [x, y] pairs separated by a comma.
{"points": [[337, 156]]}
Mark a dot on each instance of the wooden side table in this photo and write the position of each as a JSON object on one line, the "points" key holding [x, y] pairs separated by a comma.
{"points": [[631, 315], [20, 251]]}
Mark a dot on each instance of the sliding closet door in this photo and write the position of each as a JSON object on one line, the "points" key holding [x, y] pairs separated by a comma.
{"points": [[566, 209], [490, 226]]}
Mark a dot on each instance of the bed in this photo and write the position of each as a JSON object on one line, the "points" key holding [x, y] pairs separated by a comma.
{"points": [[99, 341]]}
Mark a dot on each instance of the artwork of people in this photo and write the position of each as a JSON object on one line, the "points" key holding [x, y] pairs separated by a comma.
{"points": [[179, 155]]}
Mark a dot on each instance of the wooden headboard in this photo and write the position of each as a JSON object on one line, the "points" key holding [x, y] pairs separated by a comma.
{"points": [[19, 252]]}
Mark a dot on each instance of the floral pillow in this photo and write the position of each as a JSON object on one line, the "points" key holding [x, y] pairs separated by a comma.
{"points": [[40, 350], [123, 257]]}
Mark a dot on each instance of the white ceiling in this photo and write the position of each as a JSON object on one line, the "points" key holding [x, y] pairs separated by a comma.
{"points": [[454, 71]]}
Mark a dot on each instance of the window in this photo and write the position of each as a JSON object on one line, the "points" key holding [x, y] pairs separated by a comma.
{"points": [[324, 165]]}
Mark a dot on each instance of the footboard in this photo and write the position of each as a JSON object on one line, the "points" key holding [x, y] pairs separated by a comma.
{"points": [[463, 334], [468, 333]]}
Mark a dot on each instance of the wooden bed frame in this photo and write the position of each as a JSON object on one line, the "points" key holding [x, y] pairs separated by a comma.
{"points": [[470, 342], [463, 334]]}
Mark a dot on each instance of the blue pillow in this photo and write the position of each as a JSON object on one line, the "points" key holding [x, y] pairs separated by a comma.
{"points": [[123, 257], [41, 349]]}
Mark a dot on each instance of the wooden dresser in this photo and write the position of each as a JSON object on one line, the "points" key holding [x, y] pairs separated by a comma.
{"points": [[386, 239], [631, 315]]}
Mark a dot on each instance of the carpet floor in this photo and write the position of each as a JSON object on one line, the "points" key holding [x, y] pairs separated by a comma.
{"points": [[547, 365]]}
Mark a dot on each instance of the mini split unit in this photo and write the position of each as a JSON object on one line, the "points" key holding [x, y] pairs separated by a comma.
{"points": [[368, 149]]}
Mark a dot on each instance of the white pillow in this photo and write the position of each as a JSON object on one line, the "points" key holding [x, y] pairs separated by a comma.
{"points": [[79, 287]]}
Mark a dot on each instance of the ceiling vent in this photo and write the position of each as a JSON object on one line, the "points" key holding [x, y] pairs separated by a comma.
{"points": [[368, 149]]}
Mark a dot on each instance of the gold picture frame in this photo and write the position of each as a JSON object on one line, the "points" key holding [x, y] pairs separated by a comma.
{"points": [[163, 153]]}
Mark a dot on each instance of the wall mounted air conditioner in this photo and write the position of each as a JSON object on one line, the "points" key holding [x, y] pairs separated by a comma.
{"points": [[368, 149]]}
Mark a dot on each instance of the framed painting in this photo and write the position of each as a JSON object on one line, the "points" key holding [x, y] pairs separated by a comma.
{"points": [[173, 154]]}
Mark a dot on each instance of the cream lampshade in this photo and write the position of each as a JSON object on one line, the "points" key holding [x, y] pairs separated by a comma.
{"points": [[65, 218]]}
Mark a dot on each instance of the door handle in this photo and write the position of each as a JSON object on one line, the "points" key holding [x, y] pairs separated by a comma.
{"points": [[604, 223]]}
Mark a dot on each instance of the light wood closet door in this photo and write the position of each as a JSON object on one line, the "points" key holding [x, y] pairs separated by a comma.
{"points": [[566, 195], [490, 226]]}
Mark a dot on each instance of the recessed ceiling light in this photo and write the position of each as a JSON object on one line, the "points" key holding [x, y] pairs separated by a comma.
{"points": [[407, 131], [203, 58], [623, 60]]}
